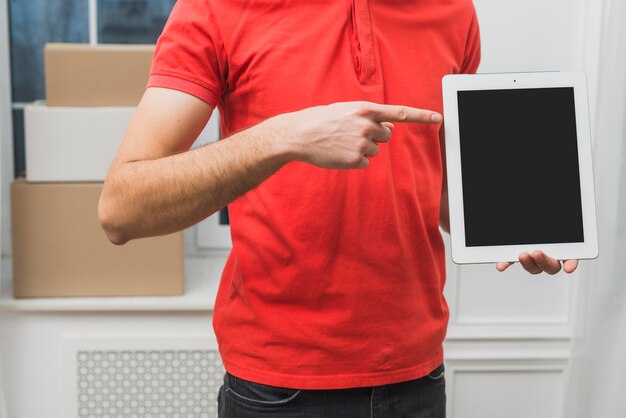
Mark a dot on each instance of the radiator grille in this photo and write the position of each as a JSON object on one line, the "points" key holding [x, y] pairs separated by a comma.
{"points": [[148, 383]]}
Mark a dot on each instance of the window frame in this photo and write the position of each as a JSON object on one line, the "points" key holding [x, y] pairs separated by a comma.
{"points": [[6, 129]]}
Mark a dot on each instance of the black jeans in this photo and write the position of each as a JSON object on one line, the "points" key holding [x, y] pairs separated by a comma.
{"points": [[420, 398]]}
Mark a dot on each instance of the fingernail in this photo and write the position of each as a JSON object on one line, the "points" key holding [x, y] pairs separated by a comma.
{"points": [[436, 117]]}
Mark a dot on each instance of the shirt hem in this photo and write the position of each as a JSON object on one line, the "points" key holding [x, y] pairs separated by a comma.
{"points": [[335, 381]]}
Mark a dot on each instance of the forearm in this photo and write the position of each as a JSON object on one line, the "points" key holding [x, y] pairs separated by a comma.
{"points": [[164, 195], [154, 188]]}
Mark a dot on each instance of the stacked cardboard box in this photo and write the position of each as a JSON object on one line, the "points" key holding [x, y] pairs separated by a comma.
{"points": [[59, 248], [101, 75], [68, 144]]}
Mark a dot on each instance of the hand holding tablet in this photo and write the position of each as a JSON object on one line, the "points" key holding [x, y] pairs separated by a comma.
{"points": [[520, 180], [539, 262]]}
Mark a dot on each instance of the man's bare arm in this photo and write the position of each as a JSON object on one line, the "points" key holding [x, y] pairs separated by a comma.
{"points": [[157, 186]]}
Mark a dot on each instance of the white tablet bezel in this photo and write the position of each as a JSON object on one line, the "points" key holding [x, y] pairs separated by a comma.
{"points": [[461, 254]]}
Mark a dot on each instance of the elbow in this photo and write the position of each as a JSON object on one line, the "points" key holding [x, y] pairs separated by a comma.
{"points": [[109, 220], [116, 238]]}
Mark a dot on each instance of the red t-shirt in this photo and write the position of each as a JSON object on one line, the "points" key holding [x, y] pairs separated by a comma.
{"points": [[335, 278]]}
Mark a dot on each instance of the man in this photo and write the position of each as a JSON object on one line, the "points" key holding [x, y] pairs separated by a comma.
{"points": [[331, 300]]}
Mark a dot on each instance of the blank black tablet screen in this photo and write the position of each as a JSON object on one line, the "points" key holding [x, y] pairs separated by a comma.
{"points": [[519, 162]]}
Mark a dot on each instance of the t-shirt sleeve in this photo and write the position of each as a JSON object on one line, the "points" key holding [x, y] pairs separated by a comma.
{"points": [[471, 60], [188, 55]]}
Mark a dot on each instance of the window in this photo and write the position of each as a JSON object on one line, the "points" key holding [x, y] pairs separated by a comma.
{"points": [[132, 21], [33, 23]]}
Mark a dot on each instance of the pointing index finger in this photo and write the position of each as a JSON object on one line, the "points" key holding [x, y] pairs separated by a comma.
{"points": [[395, 113]]}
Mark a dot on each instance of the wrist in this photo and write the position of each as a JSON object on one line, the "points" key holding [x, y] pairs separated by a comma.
{"points": [[278, 136]]}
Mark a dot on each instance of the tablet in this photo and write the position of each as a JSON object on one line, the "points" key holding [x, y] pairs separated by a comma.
{"points": [[518, 151]]}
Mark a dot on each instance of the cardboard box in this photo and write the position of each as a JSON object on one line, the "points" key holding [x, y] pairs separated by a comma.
{"points": [[59, 248], [96, 75], [68, 144], [72, 143]]}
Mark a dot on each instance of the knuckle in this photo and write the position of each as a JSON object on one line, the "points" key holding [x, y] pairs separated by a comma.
{"points": [[355, 159], [362, 109], [362, 146], [555, 270], [364, 130], [402, 113]]}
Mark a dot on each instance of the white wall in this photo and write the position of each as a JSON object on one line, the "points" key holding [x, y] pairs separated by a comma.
{"points": [[510, 335], [601, 326], [530, 35]]}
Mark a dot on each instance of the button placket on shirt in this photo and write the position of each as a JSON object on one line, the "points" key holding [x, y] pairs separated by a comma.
{"points": [[363, 49]]}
